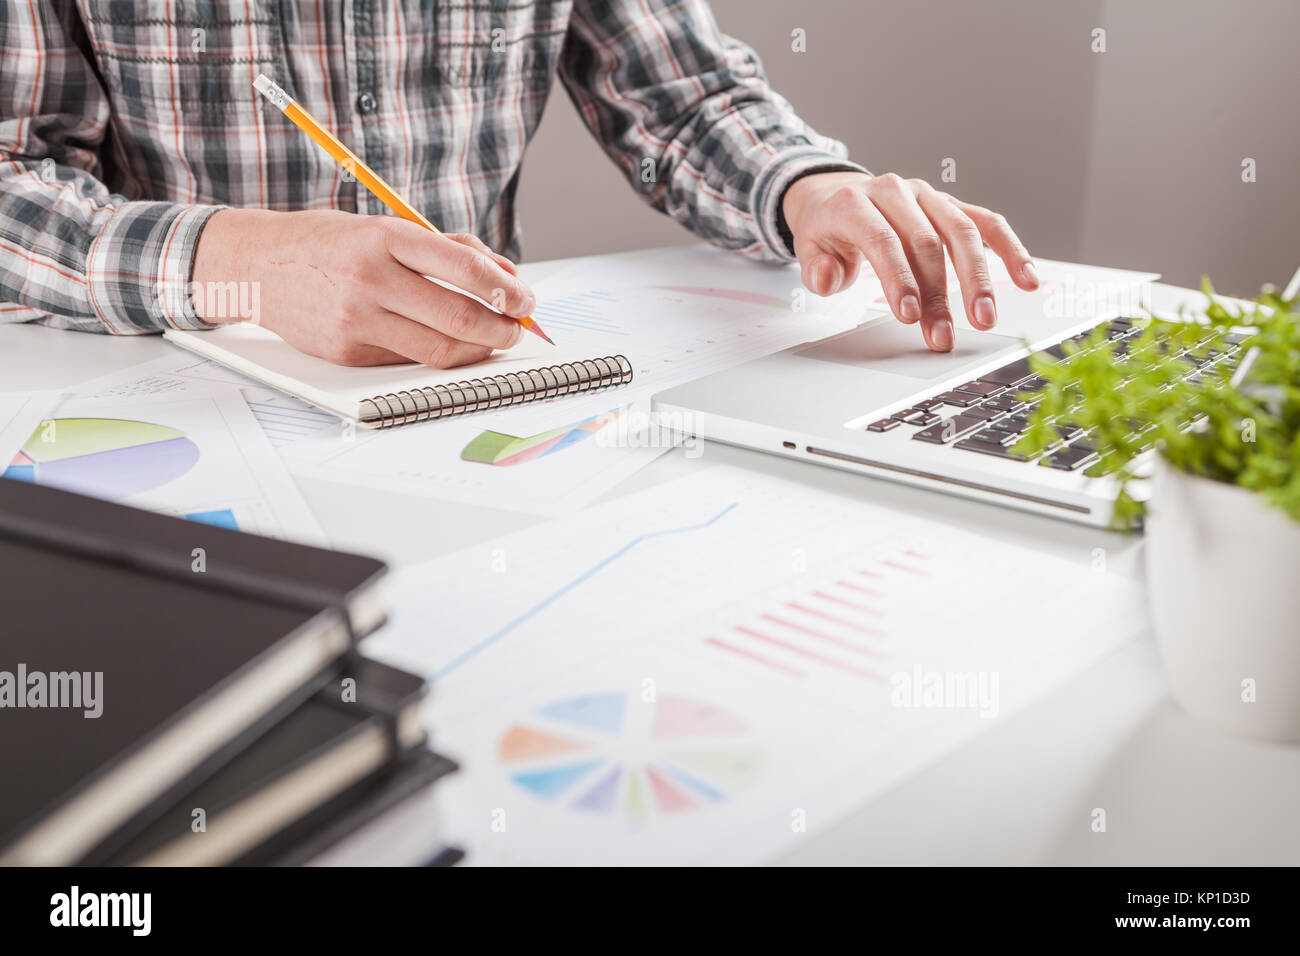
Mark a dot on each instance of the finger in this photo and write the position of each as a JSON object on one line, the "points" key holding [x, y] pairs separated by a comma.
{"points": [[1003, 240], [415, 342], [860, 230], [821, 271], [433, 254], [826, 273], [962, 238], [924, 249], [409, 294], [473, 241], [851, 264]]}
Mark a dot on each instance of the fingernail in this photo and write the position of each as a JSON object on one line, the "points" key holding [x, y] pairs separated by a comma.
{"points": [[1030, 273], [986, 314], [910, 308], [530, 302], [941, 336]]}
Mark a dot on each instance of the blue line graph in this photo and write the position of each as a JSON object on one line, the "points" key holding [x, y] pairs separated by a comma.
{"points": [[583, 312], [587, 575], [285, 424]]}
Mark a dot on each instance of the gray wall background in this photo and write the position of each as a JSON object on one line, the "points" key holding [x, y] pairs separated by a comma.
{"points": [[1130, 157]]}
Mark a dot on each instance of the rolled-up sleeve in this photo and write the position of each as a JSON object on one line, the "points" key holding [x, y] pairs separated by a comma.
{"points": [[73, 254]]}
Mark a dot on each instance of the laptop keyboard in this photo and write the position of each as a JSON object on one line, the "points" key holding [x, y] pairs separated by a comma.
{"points": [[990, 414]]}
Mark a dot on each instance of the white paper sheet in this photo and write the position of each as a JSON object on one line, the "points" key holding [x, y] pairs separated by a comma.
{"points": [[705, 671], [678, 315], [20, 414], [422, 459], [548, 473], [283, 418], [194, 453]]}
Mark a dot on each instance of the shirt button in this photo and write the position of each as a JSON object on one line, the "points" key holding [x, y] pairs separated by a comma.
{"points": [[366, 102]]}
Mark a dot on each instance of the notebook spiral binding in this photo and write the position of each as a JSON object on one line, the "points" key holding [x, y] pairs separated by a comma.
{"points": [[479, 394]]}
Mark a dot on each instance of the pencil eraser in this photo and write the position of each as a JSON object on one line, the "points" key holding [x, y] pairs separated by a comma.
{"points": [[268, 88]]}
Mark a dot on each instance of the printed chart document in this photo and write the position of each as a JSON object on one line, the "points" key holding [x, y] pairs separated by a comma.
{"points": [[702, 671], [283, 418], [20, 414], [198, 455], [548, 472], [680, 314]]}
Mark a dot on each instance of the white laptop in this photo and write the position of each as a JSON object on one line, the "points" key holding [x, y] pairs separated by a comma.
{"points": [[875, 400]]}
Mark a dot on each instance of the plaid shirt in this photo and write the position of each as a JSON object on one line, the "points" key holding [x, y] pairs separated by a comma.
{"points": [[125, 124]]}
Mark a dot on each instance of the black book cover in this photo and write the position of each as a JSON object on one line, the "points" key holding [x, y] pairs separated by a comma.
{"points": [[350, 811], [123, 666], [366, 696]]}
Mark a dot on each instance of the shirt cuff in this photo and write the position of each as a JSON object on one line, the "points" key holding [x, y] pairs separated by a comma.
{"points": [[139, 267], [776, 177]]}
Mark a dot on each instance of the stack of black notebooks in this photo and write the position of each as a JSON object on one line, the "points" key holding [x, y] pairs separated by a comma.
{"points": [[173, 693]]}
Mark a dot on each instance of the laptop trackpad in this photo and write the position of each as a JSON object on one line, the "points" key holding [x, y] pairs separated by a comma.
{"points": [[890, 346]]}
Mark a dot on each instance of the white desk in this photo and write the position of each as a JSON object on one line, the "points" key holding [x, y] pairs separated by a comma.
{"points": [[1174, 792]]}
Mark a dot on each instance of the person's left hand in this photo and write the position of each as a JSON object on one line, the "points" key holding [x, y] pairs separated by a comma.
{"points": [[902, 226]]}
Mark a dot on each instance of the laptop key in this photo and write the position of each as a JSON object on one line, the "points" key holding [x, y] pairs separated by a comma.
{"points": [[1008, 375], [908, 416], [949, 430], [884, 425], [980, 388], [1004, 403], [1069, 458], [928, 404], [989, 448], [997, 436], [984, 412], [929, 418], [959, 399]]}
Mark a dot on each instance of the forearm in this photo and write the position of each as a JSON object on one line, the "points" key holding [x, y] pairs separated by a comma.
{"points": [[72, 253], [75, 256]]}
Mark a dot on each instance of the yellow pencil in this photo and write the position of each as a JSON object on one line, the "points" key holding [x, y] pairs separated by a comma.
{"points": [[353, 164]]}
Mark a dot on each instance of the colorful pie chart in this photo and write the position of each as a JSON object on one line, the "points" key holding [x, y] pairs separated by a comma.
{"points": [[585, 754], [504, 451], [105, 457]]}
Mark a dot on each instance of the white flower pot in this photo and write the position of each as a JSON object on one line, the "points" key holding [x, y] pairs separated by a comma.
{"points": [[1223, 571]]}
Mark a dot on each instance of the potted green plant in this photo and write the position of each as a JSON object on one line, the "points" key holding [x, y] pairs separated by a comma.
{"points": [[1223, 515]]}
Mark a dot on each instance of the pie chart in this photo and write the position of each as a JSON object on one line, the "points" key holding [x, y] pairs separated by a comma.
{"points": [[586, 754], [108, 458], [504, 451]]}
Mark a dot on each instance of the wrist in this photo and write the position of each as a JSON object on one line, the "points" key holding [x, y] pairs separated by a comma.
{"points": [[226, 258], [808, 190]]}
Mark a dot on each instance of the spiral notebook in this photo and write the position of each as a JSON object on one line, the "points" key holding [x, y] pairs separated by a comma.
{"points": [[387, 395]]}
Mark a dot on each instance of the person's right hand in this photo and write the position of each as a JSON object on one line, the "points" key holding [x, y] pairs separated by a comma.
{"points": [[352, 289]]}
